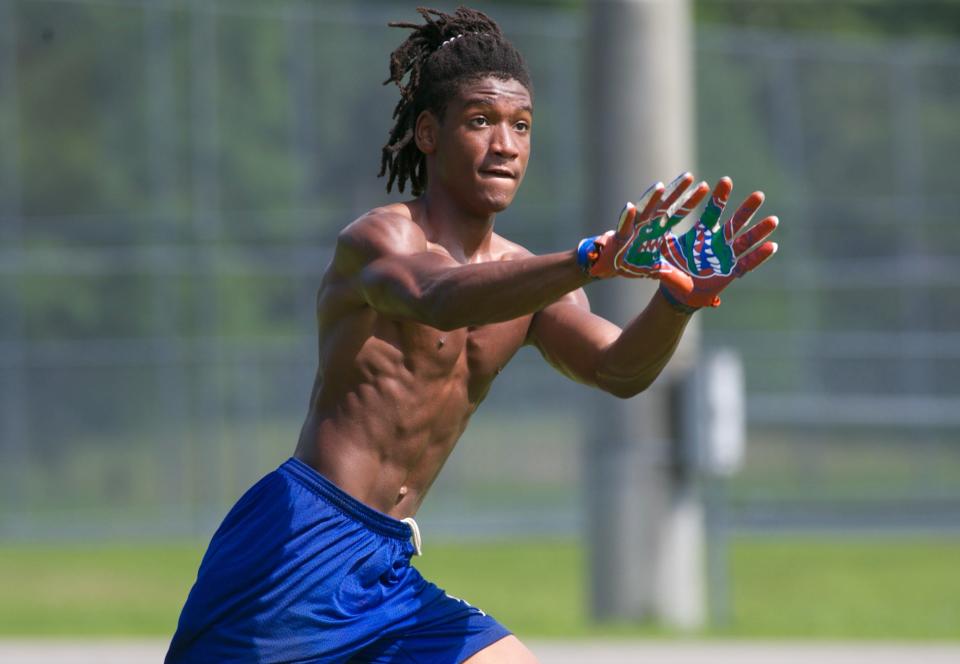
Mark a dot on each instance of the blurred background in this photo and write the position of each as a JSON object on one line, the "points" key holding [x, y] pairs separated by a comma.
{"points": [[173, 175]]}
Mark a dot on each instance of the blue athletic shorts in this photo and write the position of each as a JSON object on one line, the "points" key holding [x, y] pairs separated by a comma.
{"points": [[300, 571]]}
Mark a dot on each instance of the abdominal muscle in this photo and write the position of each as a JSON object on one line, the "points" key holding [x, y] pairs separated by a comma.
{"points": [[384, 451], [385, 416]]}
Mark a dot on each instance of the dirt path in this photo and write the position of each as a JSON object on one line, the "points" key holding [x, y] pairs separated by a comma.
{"points": [[25, 651]]}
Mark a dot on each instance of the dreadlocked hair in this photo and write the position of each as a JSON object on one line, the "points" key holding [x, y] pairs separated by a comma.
{"points": [[435, 59]]}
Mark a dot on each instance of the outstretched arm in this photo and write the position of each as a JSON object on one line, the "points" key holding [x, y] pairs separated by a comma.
{"points": [[693, 269], [397, 273], [594, 351]]}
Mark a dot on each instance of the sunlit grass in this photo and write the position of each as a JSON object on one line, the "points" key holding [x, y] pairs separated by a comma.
{"points": [[789, 587]]}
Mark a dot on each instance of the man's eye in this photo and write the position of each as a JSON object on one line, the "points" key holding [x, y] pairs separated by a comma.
{"points": [[522, 126], [479, 121]]}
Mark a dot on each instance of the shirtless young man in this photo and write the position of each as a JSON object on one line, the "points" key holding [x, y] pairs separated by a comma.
{"points": [[419, 310]]}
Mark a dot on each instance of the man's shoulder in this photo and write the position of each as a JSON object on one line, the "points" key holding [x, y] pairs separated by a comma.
{"points": [[381, 230], [391, 218]]}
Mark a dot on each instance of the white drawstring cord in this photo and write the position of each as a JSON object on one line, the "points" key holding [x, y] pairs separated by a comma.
{"points": [[415, 531]]}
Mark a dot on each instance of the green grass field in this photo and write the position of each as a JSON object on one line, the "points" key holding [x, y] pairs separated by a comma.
{"points": [[871, 588]]}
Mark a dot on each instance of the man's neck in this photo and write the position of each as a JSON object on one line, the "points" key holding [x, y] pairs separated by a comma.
{"points": [[461, 233]]}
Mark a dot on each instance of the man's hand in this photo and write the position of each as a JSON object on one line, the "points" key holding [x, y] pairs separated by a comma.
{"points": [[694, 267], [708, 257], [633, 249]]}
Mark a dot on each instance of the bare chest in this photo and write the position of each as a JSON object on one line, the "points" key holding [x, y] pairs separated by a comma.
{"points": [[471, 356]]}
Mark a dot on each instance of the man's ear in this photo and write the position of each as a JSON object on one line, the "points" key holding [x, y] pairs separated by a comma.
{"points": [[425, 132]]}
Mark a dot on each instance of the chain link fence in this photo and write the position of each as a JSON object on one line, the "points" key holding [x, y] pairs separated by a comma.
{"points": [[173, 175]]}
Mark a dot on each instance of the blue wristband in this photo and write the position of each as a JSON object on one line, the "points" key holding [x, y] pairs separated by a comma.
{"points": [[586, 246], [675, 303]]}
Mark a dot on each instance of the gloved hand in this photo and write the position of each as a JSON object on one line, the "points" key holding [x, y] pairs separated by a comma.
{"points": [[708, 257], [694, 267], [633, 249]]}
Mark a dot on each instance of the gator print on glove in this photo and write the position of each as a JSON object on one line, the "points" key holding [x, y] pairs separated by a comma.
{"points": [[633, 249], [641, 256], [711, 255]]}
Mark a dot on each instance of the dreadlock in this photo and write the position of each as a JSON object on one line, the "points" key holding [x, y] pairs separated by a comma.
{"points": [[438, 56]]}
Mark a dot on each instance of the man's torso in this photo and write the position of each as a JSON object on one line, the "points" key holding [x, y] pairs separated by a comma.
{"points": [[392, 396]]}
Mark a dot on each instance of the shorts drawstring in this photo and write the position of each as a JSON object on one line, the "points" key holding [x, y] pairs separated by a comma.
{"points": [[415, 534]]}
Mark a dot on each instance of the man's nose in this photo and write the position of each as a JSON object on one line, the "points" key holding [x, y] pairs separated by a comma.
{"points": [[504, 142]]}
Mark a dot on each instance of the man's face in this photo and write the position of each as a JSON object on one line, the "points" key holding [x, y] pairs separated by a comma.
{"points": [[483, 144]]}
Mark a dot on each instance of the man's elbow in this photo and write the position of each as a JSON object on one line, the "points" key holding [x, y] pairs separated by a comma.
{"points": [[439, 320], [439, 310], [392, 292], [625, 388]]}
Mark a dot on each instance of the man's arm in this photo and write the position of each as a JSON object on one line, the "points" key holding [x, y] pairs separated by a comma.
{"points": [[692, 272], [594, 351], [400, 275], [397, 274]]}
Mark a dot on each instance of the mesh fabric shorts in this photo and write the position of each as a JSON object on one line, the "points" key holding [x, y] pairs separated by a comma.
{"points": [[300, 571]]}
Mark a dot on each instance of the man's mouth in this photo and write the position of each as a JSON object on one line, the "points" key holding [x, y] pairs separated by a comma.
{"points": [[499, 173]]}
